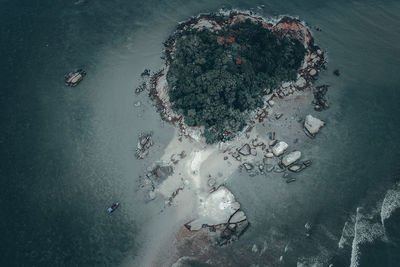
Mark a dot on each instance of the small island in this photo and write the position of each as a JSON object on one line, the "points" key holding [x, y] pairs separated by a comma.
{"points": [[237, 87], [219, 69]]}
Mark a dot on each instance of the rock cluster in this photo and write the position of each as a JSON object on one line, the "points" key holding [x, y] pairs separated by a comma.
{"points": [[144, 143], [319, 97]]}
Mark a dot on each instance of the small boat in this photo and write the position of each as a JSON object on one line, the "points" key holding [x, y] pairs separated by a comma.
{"points": [[74, 77], [113, 207]]}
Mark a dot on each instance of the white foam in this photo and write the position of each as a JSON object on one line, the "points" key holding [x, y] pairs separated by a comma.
{"points": [[390, 203]]}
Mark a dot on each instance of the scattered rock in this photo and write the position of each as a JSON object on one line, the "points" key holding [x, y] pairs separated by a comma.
{"points": [[291, 158], [278, 115], [313, 72], [272, 142], [248, 166], [245, 150], [279, 148], [211, 182], [313, 125], [152, 195], [278, 169]]}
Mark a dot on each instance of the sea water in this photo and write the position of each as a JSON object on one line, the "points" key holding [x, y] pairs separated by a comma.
{"points": [[68, 153]]}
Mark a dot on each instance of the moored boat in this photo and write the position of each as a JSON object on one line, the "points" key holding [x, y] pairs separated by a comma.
{"points": [[75, 77]]}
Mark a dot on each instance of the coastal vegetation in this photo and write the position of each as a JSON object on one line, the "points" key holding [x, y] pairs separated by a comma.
{"points": [[216, 77]]}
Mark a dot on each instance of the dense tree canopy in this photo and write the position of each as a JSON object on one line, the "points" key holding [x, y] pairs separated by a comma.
{"points": [[217, 77]]}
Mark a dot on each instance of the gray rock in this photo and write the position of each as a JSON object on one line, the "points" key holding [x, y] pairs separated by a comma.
{"points": [[238, 217], [313, 125], [248, 166], [291, 158], [296, 168], [245, 150], [279, 148]]}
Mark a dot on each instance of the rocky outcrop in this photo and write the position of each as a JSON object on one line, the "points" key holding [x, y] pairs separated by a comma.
{"points": [[221, 215], [144, 143]]}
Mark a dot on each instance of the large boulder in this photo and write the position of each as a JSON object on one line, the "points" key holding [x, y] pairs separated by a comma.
{"points": [[313, 125], [291, 158], [217, 209], [279, 148]]}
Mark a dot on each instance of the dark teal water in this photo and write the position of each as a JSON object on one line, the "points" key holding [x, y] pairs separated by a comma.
{"points": [[67, 153]]}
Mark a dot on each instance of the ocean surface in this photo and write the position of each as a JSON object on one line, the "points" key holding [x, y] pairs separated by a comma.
{"points": [[68, 153]]}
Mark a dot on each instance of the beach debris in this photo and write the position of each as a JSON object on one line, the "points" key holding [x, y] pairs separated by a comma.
{"points": [[143, 146], [75, 77], [291, 158], [312, 125], [279, 148]]}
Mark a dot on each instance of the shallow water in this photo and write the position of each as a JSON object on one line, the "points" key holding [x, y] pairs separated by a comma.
{"points": [[67, 153]]}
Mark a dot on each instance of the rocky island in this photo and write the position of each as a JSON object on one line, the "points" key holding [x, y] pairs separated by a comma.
{"points": [[234, 85]]}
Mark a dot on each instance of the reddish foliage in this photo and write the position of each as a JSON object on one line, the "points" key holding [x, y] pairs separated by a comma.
{"points": [[231, 40]]}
